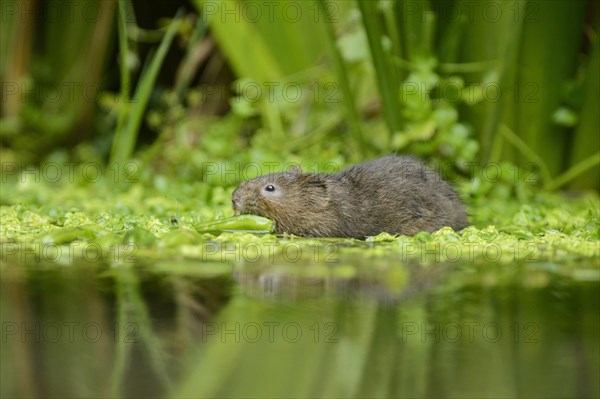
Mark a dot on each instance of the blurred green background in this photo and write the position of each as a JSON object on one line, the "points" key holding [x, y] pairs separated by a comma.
{"points": [[177, 83], [126, 124]]}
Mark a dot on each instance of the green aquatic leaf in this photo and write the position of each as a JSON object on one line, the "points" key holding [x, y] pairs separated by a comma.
{"points": [[69, 234], [245, 223]]}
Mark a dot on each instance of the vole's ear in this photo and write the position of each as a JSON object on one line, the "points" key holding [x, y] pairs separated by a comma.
{"points": [[315, 180], [319, 189], [295, 170]]}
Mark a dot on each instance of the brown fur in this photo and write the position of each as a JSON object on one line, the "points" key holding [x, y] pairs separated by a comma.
{"points": [[397, 195]]}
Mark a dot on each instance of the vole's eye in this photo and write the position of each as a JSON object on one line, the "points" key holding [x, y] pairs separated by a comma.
{"points": [[270, 188]]}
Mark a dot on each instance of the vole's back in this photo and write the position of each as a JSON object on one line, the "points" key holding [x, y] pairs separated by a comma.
{"points": [[394, 194]]}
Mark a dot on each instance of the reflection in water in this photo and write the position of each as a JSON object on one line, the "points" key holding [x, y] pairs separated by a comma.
{"points": [[298, 331], [387, 285], [90, 332]]}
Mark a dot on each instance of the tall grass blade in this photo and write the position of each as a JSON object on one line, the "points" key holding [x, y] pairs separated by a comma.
{"points": [[587, 137], [347, 94], [588, 164], [556, 28], [387, 80], [125, 138], [528, 152], [125, 12]]}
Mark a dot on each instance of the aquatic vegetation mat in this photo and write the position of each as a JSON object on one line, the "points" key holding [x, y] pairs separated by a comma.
{"points": [[174, 221]]}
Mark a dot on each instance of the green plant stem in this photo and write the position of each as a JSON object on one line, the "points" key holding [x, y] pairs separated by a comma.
{"points": [[189, 65], [386, 79], [575, 171], [585, 141], [466, 67], [125, 138], [340, 69], [123, 65], [516, 141]]}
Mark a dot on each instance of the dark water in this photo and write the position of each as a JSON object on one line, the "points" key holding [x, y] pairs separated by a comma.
{"points": [[379, 330]]}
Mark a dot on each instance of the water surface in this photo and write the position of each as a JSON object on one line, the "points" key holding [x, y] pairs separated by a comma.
{"points": [[356, 328]]}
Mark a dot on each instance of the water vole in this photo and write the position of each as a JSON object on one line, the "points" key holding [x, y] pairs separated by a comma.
{"points": [[393, 194]]}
